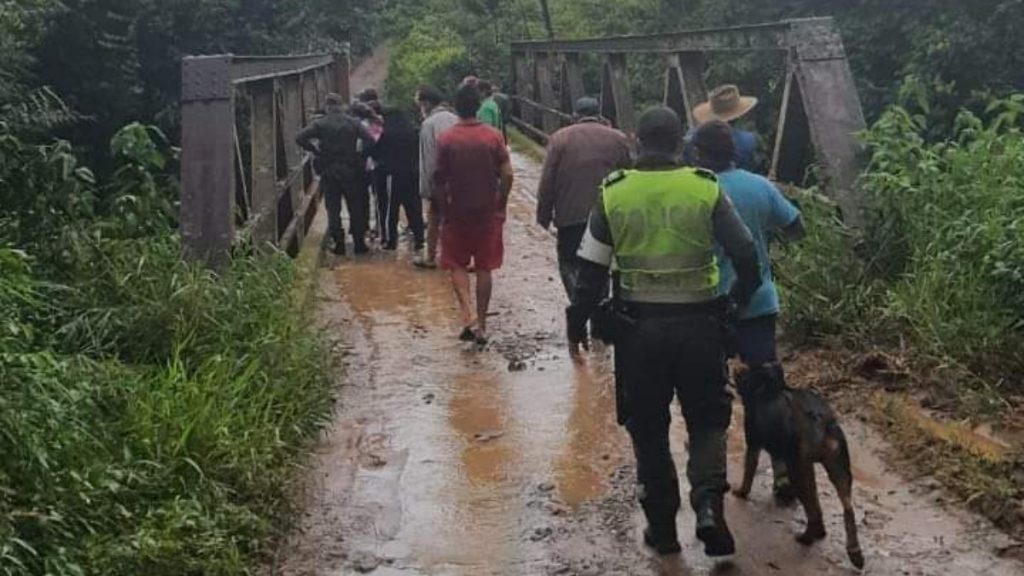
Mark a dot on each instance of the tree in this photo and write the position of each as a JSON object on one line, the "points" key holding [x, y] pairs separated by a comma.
{"points": [[546, 12]]}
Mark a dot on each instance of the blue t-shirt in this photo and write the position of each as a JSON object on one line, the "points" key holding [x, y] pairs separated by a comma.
{"points": [[764, 210], [744, 144]]}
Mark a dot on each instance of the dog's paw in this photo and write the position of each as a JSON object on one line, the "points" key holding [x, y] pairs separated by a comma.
{"points": [[811, 535]]}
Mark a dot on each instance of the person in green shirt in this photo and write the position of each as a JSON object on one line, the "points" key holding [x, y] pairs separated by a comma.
{"points": [[489, 112]]}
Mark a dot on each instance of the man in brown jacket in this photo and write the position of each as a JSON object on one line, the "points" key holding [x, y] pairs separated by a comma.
{"points": [[579, 157]]}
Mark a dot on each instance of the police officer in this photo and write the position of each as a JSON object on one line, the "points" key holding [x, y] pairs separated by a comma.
{"points": [[340, 165], [655, 227]]}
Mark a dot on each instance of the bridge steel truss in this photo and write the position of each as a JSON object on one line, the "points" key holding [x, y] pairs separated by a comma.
{"points": [[243, 177], [819, 103]]}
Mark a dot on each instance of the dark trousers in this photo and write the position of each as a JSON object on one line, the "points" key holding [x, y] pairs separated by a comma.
{"points": [[755, 340], [755, 346], [569, 239], [394, 192], [658, 359], [353, 190]]}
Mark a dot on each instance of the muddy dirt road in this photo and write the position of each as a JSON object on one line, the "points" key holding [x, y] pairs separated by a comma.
{"points": [[445, 460]]}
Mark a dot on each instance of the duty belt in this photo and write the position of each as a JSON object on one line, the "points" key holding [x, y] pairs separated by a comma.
{"points": [[644, 310]]}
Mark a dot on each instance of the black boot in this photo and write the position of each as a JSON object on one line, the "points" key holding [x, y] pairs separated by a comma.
{"points": [[662, 538], [712, 529], [359, 246]]}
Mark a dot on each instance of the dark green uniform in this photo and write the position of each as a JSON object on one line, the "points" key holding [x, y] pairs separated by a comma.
{"points": [[655, 230], [340, 165]]}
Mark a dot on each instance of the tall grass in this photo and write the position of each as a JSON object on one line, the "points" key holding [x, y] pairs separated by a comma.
{"points": [[151, 412]]}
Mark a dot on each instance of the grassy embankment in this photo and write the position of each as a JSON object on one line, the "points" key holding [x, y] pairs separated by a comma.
{"points": [[152, 413]]}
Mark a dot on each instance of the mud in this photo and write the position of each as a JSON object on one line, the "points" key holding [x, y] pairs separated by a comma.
{"points": [[446, 460]]}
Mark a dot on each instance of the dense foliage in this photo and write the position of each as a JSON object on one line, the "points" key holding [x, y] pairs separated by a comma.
{"points": [[942, 264]]}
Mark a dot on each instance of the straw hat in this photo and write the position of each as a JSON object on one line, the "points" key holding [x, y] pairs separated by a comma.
{"points": [[725, 103]]}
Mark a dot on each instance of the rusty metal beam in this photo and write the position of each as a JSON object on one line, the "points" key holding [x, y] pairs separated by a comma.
{"points": [[524, 86], [341, 71], [773, 36], [539, 108], [572, 82], [254, 68], [616, 93], [546, 92]]}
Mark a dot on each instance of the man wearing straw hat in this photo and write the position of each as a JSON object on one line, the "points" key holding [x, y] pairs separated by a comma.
{"points": [[725, 103]]}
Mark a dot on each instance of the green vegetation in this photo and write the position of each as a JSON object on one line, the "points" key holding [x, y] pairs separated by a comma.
{"points": [[152, 412], [941, 267]]}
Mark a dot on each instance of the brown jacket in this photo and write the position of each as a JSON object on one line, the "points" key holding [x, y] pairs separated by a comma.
{"points": [[579, 157]]}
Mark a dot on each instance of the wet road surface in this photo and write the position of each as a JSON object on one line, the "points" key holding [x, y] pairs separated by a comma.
{"points": [[446, 460]]}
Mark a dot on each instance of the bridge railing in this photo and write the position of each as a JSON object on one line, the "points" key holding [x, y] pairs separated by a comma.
{"points": [[820, 104], [242, 175]]}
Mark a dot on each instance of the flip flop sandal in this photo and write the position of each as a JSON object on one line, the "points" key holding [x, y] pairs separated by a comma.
{"points": [[467, 335], [480, 341]]}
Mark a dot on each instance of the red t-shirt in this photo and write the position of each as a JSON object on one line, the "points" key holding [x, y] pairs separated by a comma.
{"points": [[469, 159]]}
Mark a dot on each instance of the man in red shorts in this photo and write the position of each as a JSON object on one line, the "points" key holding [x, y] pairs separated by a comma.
{"points": [[473, 179]]}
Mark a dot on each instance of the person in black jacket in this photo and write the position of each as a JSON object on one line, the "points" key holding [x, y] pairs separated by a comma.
{"points": [[334, 140], [397, 157]]}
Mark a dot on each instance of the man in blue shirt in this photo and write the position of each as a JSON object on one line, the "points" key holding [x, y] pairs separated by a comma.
{"points": [[767, 214]]}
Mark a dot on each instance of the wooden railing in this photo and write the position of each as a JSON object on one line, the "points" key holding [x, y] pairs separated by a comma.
{"points": [[243, 177]]}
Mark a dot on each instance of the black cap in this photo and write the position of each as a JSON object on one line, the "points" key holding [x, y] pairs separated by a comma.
{"points": [[587, 106], [660, 128]]}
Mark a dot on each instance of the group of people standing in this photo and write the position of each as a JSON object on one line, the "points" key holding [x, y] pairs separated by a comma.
{"points": [[455, 159]]}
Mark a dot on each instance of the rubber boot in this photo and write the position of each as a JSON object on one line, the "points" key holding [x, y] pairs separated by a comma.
{"points": [[661, 534], [706, 470], [664, 540], [713, 530]]}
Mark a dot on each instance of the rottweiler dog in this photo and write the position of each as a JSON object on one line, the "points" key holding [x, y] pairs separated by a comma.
{"points": [[799, 428]]}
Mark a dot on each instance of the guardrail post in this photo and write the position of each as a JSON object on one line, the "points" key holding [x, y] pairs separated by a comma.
{"points": [[524, 87], [207, 159], [572, 82], [616, 100], [291, 124], [695, 91], [342, 66], [264, 161], [549, 123]]}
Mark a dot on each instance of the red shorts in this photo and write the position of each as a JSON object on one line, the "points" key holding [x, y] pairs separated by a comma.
{"points": [[479, 242]]}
